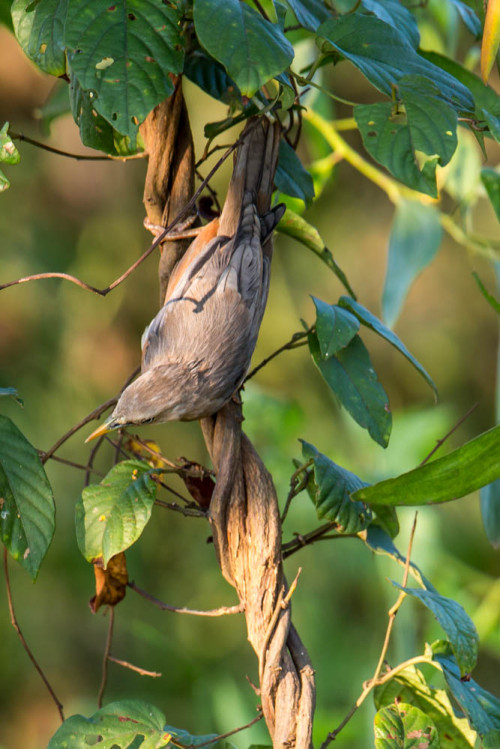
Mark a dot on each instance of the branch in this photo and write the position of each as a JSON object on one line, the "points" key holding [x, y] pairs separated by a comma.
{"points": [[224, 735], [376, 679], [145, 255], [107, 649], [296, 488], [453, 429], [222, 611], [58, 152], [294, 342], [183, 510], [15, 624], [141, 671]]}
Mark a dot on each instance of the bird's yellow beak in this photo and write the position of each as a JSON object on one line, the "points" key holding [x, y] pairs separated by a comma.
{"points": [[106, 427]]}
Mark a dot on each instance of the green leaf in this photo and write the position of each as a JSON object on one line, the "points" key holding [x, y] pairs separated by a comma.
{"points": [[12, 393], [410, 686], [251, 49], [124, 55], [27, 512], [386, 519], [432, 124], [115, 726], [297, 227], [309, 13], [484, 96], [458, 626], [211, 77], [491, 180], [481, 707], [373, 323], [335, 327], [493, 122], [490, 511], [469, 18], [8, 152], [484, 291], [330, 492], [415, 238], [491, 740], [291, 177], [461, 472], [384, 56], [39, 28], [5, 15], [111, 516], [404, 726], [397, 16], [351, 376], [380, 542], [95, 131], [4, 182], [187, 739], [386, 136]]}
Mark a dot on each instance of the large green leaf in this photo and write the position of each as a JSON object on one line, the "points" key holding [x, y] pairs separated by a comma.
{"points": [[458, 626], [481, 707], [396, 15], [251, 49], [384, 56], [415, 238], [411, 687], [211, 77], [111, 516], [330, 490], [39, 28], [491, 180], [291, 177], [27, 512], [297, 227], [309, 13], [335, 327], [490, 511], [372, 322], [117, 725], [124, 54], [351, 376], [404, 726], [464, 470], [386, 137]]}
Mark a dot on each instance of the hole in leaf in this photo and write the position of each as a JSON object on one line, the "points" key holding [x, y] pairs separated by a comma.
{"points": [[372, 133], [42, 49], [114, 116], [131, 16], [135, 120]]}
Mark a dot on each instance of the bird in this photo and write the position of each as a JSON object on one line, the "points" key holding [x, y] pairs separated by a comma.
{"points": [[197, 349]]}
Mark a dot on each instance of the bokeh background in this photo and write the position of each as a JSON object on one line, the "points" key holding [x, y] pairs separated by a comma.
{"points": [[67, 351]]}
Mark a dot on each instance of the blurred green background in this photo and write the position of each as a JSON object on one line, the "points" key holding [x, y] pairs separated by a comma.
{"points": [[67, 351]]}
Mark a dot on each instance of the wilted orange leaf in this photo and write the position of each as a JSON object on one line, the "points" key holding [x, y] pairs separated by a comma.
{"points": [[491, 38], [110, 583]]}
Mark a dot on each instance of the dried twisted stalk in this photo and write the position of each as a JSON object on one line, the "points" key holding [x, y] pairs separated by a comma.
{"points": [[244, 510]]}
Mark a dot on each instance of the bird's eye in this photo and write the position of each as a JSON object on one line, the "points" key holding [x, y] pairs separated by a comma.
{"points": [[148, 421]]}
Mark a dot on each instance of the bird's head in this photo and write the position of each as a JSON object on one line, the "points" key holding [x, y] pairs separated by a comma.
{"points": [[155, 396]]}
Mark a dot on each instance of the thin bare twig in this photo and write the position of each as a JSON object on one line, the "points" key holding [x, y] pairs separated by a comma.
{"points": [[107, 649], [230, 733], [141, 671], [15, 624], [453, 429], [222, 611], [57, 151], [186, 511], [309, 538], [90, 461], [70, 463], [376, 679], [145, 255], [294, 342]]}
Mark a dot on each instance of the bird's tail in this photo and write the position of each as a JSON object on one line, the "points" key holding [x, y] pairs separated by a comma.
{"points": [[254, 169]]}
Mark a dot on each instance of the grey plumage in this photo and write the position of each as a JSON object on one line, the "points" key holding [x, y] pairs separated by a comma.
{"points": [[197, 350]]}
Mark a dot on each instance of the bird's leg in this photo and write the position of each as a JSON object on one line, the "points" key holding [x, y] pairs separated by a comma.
{"points": [[181, 231]]}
